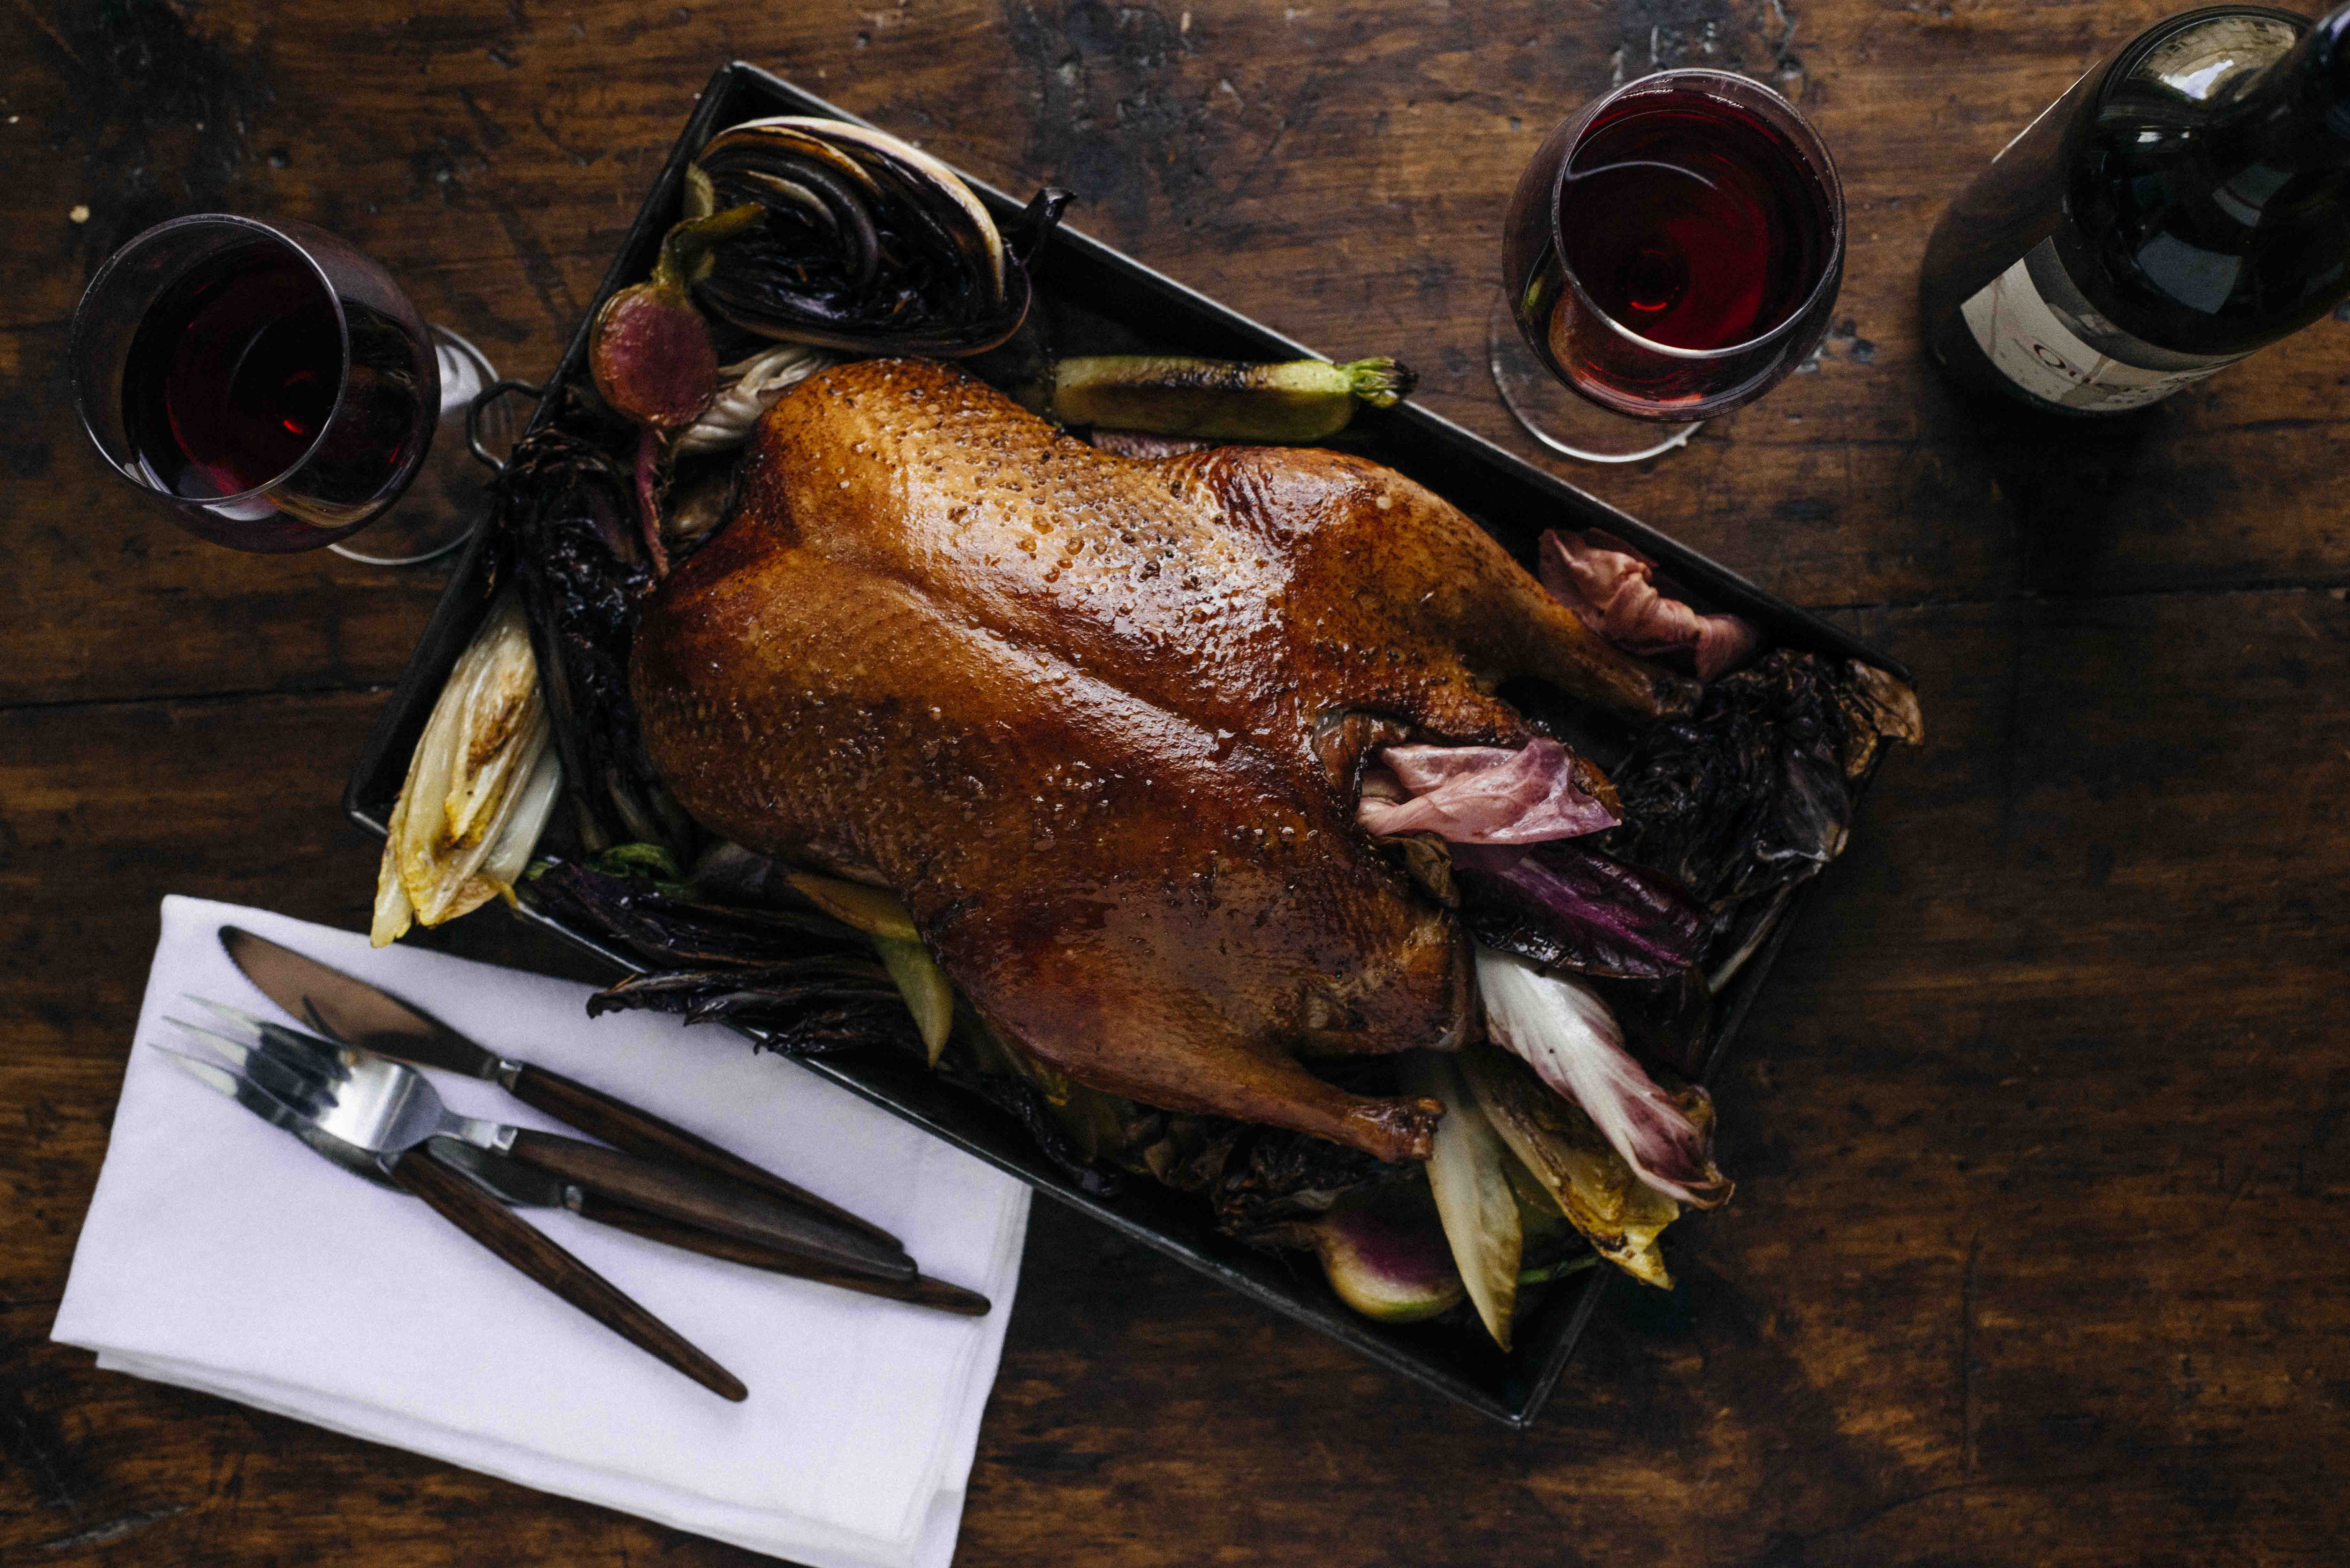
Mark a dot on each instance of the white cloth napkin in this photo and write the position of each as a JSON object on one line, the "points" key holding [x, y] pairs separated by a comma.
{"points": [[221, 1254]]}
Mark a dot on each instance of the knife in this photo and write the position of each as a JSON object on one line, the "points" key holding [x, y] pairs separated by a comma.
{"points": [[346, 1007], [528, 1186]]}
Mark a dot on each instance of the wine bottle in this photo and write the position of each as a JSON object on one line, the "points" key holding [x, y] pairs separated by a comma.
{"points": [[2186, 203]]}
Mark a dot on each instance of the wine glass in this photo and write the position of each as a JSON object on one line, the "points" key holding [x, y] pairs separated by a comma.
{"points": [[275, 390], [1671, 253]]}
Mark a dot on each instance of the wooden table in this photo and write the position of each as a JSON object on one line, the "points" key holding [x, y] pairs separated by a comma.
{"points": [[2036, 1256]]}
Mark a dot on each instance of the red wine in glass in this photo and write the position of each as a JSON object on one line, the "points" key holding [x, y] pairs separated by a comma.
{"points": [[272, 385], [1671, 253], [233, 375]]}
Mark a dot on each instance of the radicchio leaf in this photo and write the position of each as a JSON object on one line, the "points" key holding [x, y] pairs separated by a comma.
{"points": [[1563, 1030], [1481, 795], [1564, 905], [1747, 793], [566, 516], [1613, 589]]}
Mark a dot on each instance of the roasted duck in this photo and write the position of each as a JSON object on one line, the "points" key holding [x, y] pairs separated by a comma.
{"points": [[1101, 724]]}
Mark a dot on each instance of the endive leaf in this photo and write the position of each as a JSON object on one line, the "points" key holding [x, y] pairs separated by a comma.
{"points": [[1468, 1170], [930, 995], [480, 786]]}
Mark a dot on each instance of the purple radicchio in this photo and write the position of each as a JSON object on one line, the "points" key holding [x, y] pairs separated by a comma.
{"points": [[1563, 1030], [1564, 905], [1481, 795], [1613, 589]]}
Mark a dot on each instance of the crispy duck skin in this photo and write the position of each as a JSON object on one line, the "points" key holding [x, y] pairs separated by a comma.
{"points": [[1098, 722]]}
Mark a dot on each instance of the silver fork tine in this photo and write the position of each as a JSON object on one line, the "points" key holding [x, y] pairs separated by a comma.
{"points": [[270, 1029], [321, 1061], [227, 1080], [287, 1082]]}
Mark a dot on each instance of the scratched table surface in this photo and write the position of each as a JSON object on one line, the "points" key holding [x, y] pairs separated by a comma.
{"points": [[2036, 1255]]}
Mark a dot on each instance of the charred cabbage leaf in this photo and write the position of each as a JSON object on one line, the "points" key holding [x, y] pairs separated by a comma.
{"points": [[1751, 792], [810, 984], [570, 529]]}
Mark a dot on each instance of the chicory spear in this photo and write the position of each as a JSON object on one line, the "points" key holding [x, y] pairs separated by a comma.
{"points": [[747, 390], [480, 787], [1468, 1170], [1566, 1035], [1562, 1149]]}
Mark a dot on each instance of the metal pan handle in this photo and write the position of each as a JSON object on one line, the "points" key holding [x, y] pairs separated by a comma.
{"points": [[480, 403]]}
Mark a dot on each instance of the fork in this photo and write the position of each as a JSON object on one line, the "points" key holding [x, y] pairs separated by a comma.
{"points": [[457, 1197], [384, 1106]]}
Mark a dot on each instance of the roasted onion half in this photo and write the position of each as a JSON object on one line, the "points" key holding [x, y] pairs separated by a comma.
{"points": [[869, 244]]}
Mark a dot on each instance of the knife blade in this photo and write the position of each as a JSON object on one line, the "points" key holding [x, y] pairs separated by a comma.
{"points": [[368, 1016]]}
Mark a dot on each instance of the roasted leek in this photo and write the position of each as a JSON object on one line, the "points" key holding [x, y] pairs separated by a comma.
{"points": [[1299, 400]]}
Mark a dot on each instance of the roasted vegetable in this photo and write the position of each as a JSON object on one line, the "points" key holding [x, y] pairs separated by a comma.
{"points": [[812, 984], [875, 912], [746, 391], [1383, 1251], [481, 784], [1668, 1022], [1615, 591], [869, 244], [1468, 1170], [1298, 400], [929, 996], [729, 875], [568, 525], [1751, 792], [1565, 1034], [1486, 794], [1560, 1148], [651, 352], [1065, 1119], [1564, 905]]}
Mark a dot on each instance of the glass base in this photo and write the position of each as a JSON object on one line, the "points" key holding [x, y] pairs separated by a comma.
{"points": [[444, 503], [1559, 418]]}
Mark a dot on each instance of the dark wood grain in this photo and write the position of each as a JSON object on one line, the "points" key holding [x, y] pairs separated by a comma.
{"points": [[2040, 1130], [456, 1197], [623, 1126]]}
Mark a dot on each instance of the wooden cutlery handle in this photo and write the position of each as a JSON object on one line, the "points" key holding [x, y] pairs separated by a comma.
{"points": [[920, 1292], [623, 1126], [485, 1220], [695, 1197]]}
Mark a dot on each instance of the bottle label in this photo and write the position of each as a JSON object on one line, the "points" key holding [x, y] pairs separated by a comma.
{"points": [[2043, 336]]}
